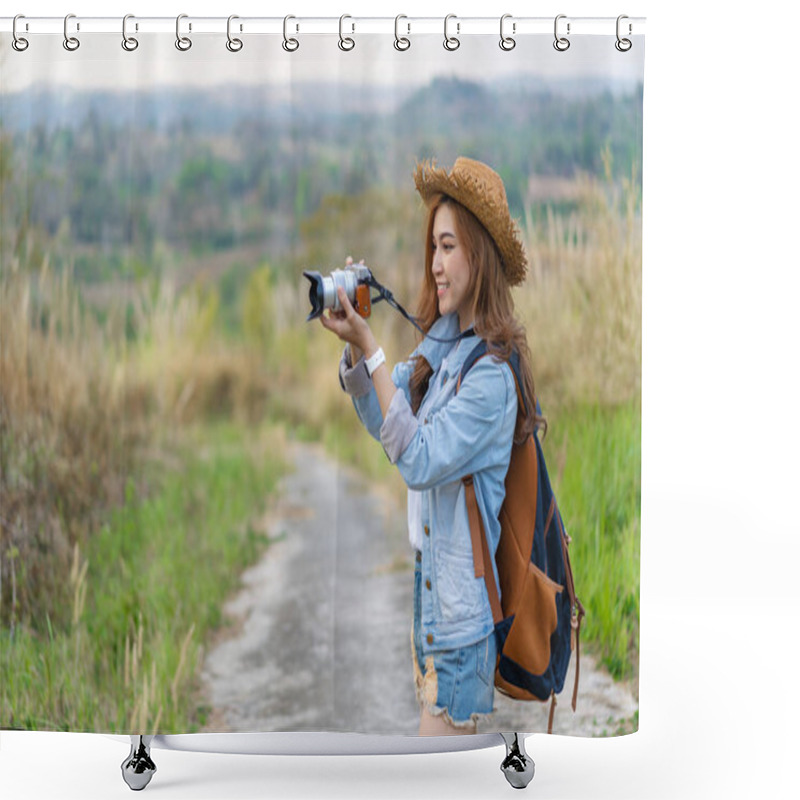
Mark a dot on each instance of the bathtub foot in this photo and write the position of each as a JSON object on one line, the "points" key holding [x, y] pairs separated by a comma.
{"points": [[138, 768], [518, 766]]}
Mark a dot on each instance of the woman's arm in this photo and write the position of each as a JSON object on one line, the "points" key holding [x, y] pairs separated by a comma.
{"points": [[353, 329], [472, 431]]}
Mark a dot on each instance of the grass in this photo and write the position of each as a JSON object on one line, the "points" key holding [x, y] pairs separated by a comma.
{"points": [[146, 590], [67, 435], [130, 470], [81, 403], [594, 459]]}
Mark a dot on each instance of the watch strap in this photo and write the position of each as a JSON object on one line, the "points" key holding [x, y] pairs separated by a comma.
{"points": [[375, 360]]}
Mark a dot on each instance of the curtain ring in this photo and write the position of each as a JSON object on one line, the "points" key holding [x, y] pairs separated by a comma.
{"points": [[233, 44], [345, 42], [507, 42], [289, 45], [561, 43], [20, 43], [451, 42], [129, 43], [623, 45], [401, 42], [71, 43], [183, 43]]}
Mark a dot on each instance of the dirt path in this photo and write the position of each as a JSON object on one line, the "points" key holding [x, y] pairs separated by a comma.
{"points": [[324, 620]]}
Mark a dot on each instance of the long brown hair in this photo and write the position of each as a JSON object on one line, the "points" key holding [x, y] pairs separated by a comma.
{"points": [[493, 308]]}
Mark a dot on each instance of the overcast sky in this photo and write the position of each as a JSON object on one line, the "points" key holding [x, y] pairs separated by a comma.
{"points": [[100, 61]]}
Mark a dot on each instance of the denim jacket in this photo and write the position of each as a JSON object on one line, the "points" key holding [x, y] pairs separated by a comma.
{"points": [[453, 435]]}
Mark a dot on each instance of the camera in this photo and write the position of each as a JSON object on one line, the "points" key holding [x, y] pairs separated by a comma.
{"points": [[355, 280]]}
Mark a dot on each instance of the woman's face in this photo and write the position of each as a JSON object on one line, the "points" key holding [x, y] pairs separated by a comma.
{"points": [[451, 269]]}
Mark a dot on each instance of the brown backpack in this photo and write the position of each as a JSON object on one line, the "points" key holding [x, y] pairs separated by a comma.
{"points": [[538, 621]]}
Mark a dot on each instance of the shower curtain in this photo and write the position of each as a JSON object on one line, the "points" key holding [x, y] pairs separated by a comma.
{"points": [[196, 533]]}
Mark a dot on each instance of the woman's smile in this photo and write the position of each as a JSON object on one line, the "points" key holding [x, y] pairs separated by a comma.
{"points": [[451, 269]]}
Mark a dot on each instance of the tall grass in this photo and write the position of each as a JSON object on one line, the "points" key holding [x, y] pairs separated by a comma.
{"points": [[582, 303], [145, 592], [582, 307], [85, 402], [594, 455], [123, 509], [185, 370], [66, 442]]}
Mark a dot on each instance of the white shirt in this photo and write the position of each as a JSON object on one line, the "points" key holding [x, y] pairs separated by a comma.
{"points": [[415, 518]]}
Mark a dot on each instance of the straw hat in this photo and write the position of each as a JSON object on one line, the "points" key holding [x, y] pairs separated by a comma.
{"points": [[480, 189]]}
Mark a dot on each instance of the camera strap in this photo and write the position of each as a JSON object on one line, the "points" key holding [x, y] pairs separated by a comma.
{"points": [[385, 294]]}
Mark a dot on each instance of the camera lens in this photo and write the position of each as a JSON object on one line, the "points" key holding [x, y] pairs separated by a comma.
{"points": [[316, 294]]}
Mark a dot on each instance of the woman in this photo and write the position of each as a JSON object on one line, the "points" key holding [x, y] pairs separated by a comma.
{"points": [[436, 436]]}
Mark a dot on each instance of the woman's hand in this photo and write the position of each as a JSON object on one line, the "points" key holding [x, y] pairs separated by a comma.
{"points": [[350, 328]]}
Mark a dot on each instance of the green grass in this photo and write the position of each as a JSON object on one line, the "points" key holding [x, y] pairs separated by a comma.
{"points": [[594, 460], [147, 589]]}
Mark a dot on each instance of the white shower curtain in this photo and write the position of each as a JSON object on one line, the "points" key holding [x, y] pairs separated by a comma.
{"points": [[197, 535]]}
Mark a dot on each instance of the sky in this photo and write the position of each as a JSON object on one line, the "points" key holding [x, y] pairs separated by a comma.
{"points": [[100, 61]]}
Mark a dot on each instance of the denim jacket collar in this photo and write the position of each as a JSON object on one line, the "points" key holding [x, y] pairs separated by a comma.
{"points": [[446, 327]]}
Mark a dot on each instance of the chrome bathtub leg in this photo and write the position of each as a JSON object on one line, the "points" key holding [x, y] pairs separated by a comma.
{"points": [[518, 766], [138, 768]]}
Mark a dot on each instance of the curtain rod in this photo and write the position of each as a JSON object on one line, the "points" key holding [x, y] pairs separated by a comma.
{"points": [[348, 25]]}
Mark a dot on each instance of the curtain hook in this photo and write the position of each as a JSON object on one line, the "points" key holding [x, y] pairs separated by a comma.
{"points": [[345, 42], [289, 45], [507, 42], [183, 43], [623, 45], [451, 42], [129, 43], [20, 43], [233, 44], [71, 43], [401, 43], [561, 43]]}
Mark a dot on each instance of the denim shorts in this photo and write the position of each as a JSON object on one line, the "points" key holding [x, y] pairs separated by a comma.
{"points": [[459, 683]]}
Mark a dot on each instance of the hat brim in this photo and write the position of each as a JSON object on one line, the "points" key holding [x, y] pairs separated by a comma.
{"points": [[468, 188]]}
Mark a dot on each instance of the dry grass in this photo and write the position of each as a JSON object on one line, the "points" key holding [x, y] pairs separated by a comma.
{"points": [[108, 518], [66, 441], [582, 303], [81, 401]]}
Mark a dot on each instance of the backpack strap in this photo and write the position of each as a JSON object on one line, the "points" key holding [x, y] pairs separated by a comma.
{"points": [[481, 556], [578, 612], [479, 351], [551, 716]]}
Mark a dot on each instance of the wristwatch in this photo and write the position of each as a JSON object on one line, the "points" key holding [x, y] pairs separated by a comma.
{"points": [[374, 361]]}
